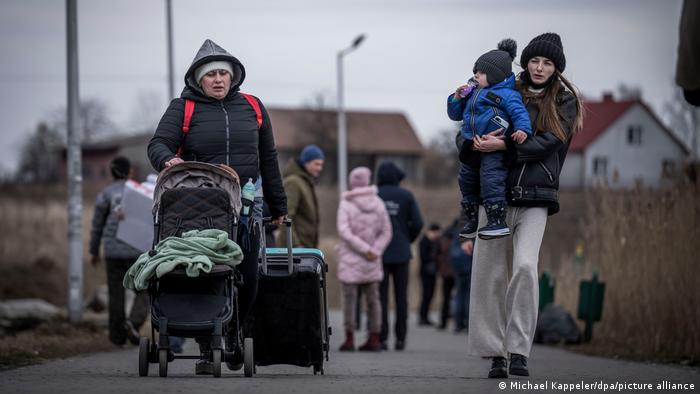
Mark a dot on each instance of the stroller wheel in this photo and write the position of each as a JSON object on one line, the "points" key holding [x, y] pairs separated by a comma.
{"points": [[144, 347], [216, 362], [248, 361], [163, 362]]}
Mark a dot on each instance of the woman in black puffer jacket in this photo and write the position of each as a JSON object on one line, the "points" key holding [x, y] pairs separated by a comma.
{"points": [[226, 127], [504, 297]]}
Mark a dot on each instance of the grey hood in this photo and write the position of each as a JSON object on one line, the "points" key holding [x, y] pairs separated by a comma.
{"points": [[209, 52]]}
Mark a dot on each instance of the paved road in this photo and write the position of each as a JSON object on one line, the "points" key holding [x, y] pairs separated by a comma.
{"points": [[434, 362]]}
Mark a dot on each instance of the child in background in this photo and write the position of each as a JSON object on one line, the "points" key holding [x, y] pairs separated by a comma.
{"points": [[488, 103], [364, 231]]}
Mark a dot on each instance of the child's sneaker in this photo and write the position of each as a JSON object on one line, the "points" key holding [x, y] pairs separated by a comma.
{"points": [[471, 220], [496, 226]]}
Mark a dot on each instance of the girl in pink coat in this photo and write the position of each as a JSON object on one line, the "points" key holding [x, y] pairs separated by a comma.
{"points": [[364, 230]]}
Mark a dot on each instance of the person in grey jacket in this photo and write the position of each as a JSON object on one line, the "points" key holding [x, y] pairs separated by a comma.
{"points": [[118, 255]]}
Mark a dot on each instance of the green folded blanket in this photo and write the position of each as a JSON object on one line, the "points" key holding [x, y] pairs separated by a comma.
{"points": [[197, 251]]}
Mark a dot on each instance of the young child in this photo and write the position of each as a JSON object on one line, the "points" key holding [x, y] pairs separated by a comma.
{"points": [[483, 104], [364, 232]]}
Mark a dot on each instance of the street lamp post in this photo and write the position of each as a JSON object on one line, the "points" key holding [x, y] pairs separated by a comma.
{"points": [[169, 34], [342, 126], [75, 179]]}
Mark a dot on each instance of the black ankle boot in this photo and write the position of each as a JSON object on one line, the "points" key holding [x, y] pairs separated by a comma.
{"points": [[518, 365], [498, 368], [470, 215], [496, 226], [204, 366], [234, 362]]}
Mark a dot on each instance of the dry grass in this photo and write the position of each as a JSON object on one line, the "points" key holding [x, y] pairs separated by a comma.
{"points": [[643, 243], [34, 248], [54, 339]]}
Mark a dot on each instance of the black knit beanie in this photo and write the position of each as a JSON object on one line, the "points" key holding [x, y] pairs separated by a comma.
{"points": [[120, 167], [547, 45], [497, 64]]}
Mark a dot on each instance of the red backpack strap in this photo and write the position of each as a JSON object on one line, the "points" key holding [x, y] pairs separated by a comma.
{"points": [[256, 107], [189, 110]]}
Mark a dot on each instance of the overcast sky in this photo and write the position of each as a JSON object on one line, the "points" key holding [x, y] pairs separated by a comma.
{"points": [[416, 52]]}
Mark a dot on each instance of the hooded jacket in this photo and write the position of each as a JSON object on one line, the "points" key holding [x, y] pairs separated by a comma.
{"points": [[303, 206], [221, 131], [405, 216], [363, 226], [483, 104]]}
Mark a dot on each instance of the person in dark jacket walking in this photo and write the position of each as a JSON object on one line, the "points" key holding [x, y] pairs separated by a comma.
{"points": [[504, 296], [429, 249], [119, 257], [226, 128], [446, 273], [461, 252], [406, 224]]}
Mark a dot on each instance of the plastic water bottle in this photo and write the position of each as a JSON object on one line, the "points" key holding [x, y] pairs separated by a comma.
{"points": [[248, 197]]}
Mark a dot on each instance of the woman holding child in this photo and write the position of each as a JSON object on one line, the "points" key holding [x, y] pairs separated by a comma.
{"points": [[504, 298]]}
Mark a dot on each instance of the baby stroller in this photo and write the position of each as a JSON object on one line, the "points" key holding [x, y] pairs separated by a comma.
{"points": [[195, 196]]}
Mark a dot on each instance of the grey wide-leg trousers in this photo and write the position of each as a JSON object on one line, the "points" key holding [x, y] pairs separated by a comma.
{"points": [[505, 295]]}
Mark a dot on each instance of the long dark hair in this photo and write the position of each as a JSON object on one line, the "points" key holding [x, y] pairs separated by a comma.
{"points": [[550, 117]]}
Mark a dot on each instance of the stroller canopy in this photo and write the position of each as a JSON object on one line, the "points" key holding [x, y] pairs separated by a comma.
{"points": [[198, 174]]}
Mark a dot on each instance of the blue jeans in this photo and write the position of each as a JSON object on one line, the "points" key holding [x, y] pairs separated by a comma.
{"points": [[176, 344], [484, 182], [461, 314]]}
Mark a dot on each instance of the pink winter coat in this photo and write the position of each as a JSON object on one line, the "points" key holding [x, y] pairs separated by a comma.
{"points": [[363, 225]]}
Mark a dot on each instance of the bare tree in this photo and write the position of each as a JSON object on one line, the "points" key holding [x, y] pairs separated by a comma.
{"points": [[147, 111], [441, 161], [629, 92], [94, 119], [318, 124], [684, 120], [40, 156]]}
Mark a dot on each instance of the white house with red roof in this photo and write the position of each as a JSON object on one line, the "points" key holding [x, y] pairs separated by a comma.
{"points": [[622, 144]]}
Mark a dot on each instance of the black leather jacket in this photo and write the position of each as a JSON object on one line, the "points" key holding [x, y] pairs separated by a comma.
{"points": [[535, 165]]}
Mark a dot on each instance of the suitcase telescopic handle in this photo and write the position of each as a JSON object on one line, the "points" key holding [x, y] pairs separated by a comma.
{"points": [[287, 223], [290, 258]]}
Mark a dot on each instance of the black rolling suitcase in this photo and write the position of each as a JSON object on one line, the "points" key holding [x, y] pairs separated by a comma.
{"points": [[289, 321]]}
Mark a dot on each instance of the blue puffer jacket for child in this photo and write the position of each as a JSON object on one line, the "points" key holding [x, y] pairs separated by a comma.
{"points": [[483, 104]]}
